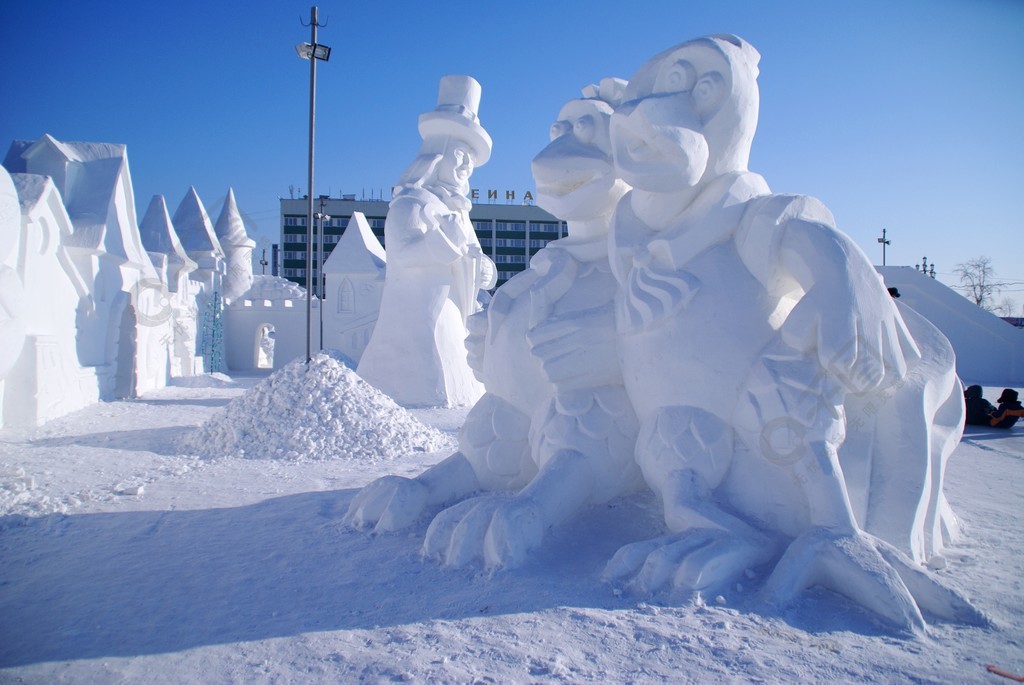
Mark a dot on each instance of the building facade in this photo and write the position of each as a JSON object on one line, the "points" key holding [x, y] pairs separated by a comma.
{"points": [[509, 233]]}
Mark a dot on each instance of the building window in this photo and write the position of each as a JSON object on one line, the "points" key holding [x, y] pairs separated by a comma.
{"points": [[543, 227], [509, 242]]}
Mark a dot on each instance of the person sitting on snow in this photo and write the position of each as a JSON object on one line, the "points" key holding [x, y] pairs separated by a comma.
{"points": [[1009, 410], [979, 410]]}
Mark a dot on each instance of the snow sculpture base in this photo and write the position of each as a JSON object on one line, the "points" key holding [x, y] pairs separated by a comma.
{"points": [[724, 346]]}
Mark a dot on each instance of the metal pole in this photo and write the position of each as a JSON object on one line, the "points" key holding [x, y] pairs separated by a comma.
{"points": [[313, 20], [320, 282], [320, 275], [885, 241]]}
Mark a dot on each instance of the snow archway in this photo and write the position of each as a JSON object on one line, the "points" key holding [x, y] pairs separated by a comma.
{"points": [[125, 352], [263, 353]]}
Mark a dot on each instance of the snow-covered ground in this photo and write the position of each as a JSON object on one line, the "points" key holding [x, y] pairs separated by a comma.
{"points": [[122, 559]]}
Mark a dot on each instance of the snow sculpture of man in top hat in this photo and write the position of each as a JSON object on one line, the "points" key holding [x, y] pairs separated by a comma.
{"points": [[436, 269], [746, 323]]}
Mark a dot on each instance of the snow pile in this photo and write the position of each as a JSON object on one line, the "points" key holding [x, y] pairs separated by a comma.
{"points": [[323, 412]]}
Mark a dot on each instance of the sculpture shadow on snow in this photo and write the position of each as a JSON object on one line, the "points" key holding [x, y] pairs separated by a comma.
{"points": [[136, 583], [164, 440]]}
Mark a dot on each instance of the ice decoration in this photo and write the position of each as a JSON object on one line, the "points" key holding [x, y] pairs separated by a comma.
{"points": [[790, 417], [435, 267]]}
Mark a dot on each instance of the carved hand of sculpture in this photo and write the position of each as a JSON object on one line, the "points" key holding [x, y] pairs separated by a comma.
{"points": [[575, 346], [451, 226]]}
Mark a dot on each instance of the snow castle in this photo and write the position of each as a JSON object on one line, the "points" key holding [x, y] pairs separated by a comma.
{"points": [[95, 305]]}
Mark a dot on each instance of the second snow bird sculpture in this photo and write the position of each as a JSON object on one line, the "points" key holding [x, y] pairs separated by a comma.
{"points": [[739, 350], [436, 269]]}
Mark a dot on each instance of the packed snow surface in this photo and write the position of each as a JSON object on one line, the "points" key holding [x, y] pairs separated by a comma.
{"points": [[322, 410], [123, 559]]}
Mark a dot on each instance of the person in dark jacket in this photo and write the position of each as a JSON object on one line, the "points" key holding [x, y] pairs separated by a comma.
{"points": [[1009, 409], [979, 410]]}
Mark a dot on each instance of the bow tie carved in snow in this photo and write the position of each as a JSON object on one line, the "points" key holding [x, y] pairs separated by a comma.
{"points": [[654, 292]]}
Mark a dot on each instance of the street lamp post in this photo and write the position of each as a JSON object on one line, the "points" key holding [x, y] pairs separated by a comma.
{"points": [[321, 281], [312, 51], [884, 241]]}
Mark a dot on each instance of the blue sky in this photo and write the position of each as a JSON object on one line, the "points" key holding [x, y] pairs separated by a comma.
{"points": [[905, 115]]}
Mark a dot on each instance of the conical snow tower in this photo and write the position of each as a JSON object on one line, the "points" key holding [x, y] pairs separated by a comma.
{"points": [[238, 247]]}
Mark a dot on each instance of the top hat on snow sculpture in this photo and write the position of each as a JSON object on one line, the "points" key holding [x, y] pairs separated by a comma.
{"points": [[458, 99]]}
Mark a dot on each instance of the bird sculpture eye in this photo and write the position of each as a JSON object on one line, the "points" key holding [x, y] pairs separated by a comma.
{"points": [[583, 129], [559, 129], [677, 78]]}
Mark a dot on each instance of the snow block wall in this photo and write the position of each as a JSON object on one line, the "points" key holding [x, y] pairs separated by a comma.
{"points": [[989, 351], [264, 327]]}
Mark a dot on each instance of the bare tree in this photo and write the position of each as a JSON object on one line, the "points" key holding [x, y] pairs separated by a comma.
{"points": [[978, 281]]}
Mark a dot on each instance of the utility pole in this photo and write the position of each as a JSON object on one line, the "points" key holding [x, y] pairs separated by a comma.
{"points": [[884, 242]]}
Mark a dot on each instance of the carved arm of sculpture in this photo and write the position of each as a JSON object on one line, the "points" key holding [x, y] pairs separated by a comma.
{"points": [[414, 220], [842, 313], [441, 239]]}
